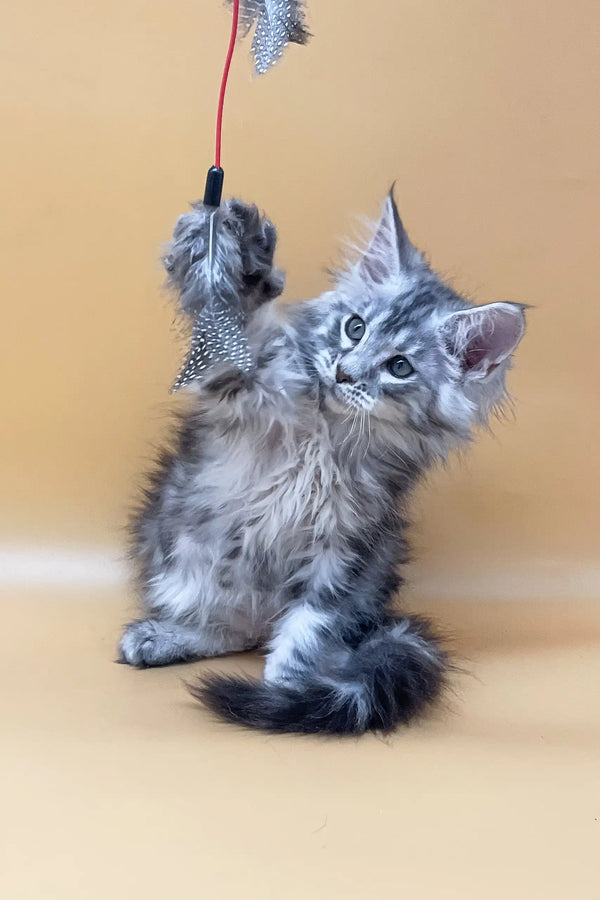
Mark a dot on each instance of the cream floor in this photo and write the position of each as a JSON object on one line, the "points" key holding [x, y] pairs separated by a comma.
{"points": [[115, 784]]}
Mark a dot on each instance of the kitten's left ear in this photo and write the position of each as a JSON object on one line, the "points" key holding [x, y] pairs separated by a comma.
{"points": [[483, 337], [390, 253]]}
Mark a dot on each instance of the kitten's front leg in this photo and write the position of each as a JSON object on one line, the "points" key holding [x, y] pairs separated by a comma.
{"points": [[308, 623], [337, 595], [296, 642]]}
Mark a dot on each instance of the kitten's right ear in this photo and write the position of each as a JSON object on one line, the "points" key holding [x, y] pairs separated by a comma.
{"points": [[391, 253]]}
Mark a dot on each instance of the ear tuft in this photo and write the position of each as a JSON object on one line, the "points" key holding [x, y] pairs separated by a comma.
{"points": [[483, 337], [390, 253]]}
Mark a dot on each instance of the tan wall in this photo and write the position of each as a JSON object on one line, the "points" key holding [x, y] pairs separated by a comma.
{"points": [[486, 115]]}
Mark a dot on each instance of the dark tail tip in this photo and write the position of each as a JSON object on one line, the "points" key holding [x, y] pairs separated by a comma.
{"points": [[312, 709], [231, 697]]}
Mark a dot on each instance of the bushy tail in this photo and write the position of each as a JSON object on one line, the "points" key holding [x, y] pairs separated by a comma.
{"points": [[386, 680]]}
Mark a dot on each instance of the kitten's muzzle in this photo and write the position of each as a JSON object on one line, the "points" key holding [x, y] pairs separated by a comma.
{"points": [[342, 377]]}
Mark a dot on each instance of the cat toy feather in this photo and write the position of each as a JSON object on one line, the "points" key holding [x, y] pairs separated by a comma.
{"points": [[278, 23], [221, 254]]}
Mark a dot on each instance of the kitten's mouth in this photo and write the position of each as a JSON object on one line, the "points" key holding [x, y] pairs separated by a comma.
{"points": [[351, 395]]}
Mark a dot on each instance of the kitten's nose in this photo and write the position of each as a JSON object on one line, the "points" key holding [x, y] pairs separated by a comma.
{"points": [[341, 376]]}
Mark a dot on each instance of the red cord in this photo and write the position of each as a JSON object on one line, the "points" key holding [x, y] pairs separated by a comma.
{"points": [[234, 28]]}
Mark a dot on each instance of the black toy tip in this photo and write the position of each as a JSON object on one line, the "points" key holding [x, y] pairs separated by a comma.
{"points": [[214, 186]]}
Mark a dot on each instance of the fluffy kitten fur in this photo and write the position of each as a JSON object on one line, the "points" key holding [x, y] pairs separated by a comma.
{"points": [[276, 520]]}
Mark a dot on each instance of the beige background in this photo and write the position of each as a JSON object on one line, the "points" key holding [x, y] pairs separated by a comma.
{"points": [[485, 113]]}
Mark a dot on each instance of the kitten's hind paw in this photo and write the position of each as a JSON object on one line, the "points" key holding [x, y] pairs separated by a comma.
{"points": [[151, 642]]}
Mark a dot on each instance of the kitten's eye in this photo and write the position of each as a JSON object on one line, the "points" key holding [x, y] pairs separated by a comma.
{"points": [[399, 367], [355, 328]]}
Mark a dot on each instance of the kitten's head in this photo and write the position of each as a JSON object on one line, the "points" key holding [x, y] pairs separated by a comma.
{"points": [[399, 343]]}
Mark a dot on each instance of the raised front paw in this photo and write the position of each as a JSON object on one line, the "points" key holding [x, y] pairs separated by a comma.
{"points": [[151, 643], [226, 252], [257, 240]]}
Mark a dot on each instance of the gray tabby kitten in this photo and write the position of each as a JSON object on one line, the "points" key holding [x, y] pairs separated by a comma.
{"points": [[276, 520]]}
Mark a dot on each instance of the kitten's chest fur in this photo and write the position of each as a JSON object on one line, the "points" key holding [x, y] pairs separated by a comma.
{"points": [[283, 489]]}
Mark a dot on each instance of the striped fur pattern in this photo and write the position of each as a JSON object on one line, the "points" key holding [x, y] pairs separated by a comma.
{"points": [[276, 519]]}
